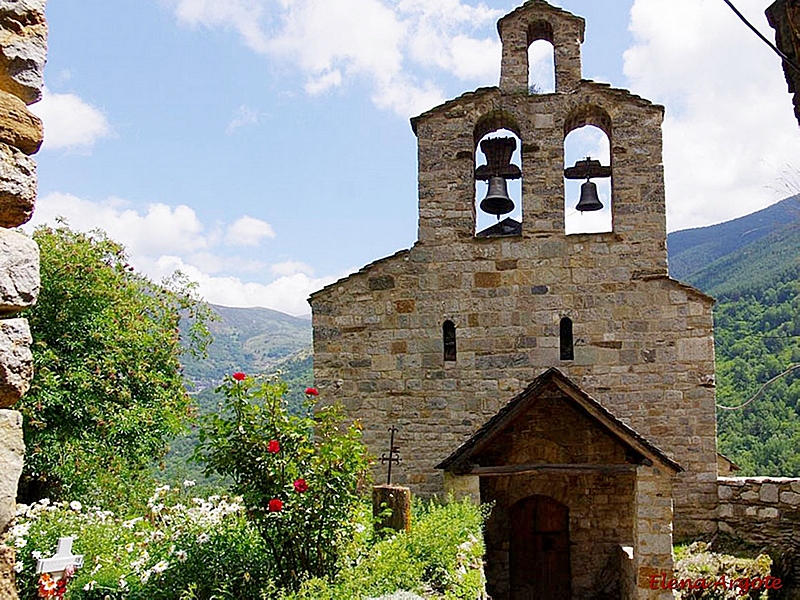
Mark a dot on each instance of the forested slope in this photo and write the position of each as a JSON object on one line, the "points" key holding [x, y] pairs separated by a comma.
{"points": [[752, 267]]}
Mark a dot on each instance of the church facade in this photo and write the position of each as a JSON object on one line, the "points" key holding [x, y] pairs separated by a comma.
{"points": [[564, 377]]}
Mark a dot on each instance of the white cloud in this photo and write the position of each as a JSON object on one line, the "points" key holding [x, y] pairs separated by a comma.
{"points": [[287, 294], [291, 268], [160, 229], [729, 131], [161, 238], [380, 41], [243, 116], [69, 122], [248, 231]]}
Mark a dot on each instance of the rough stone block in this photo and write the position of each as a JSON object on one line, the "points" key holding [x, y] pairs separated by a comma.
{"points": [[17, 186], [19, 271], [23, 48], [19, 127], [12, 450], [487, 280], [790, 498], [8, 589], [16, 360], [769, 492]]}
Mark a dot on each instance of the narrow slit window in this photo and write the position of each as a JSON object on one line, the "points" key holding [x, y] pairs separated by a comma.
{"points": [[567, 347], [449, 337]]}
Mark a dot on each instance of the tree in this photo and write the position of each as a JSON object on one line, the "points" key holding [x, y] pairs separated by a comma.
{"points": [[107, 394]]}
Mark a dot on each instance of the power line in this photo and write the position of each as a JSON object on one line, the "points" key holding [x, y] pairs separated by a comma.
{"points": [[761, 389], [761, 36]]}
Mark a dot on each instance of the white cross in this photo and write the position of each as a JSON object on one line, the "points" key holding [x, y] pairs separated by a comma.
{"points": [[62, 559]]}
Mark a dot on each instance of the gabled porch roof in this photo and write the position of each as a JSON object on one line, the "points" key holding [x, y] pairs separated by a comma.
{"points": [[638, 449]]}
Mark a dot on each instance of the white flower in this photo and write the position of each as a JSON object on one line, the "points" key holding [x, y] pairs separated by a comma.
{"points": [[157, 535], [90, 585], [129, 547], [76, 506], [160, 567], [189, 483], [44, 501], [145, 576], [132, 523], [18, 566], [20, 530], [36, 554], [202, 538], [20, 542], [122, 583], [181, 555]]}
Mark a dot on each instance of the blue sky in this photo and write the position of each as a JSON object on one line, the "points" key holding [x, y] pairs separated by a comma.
{"points": [[263, 146]]}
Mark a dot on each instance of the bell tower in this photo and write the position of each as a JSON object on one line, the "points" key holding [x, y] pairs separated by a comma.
{"points": [[453, 335], [535, 21]]}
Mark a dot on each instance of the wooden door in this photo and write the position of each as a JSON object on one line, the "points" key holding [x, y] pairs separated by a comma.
{"points": [[539, 549]]}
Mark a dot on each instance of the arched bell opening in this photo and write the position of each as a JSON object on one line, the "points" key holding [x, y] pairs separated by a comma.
{"points": [[498, 178], [541, 68], [541, 58], [587, 180]]}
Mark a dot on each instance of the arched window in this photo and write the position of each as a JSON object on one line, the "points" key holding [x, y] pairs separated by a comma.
{"points": [[494, 215], [541, 68], [587, 141], [449, 339], [541, 58], [567, 346]]}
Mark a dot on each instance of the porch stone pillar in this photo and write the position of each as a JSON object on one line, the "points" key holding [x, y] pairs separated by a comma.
{"points": [[462, 486], [653, 532]]}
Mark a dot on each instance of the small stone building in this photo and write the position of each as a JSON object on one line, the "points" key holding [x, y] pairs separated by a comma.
{"points": [[565, 377]]}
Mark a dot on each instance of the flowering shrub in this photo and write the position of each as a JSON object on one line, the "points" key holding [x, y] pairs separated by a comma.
{"points": [[181, 547], [724, 577], [441, 557], [299, 475]]}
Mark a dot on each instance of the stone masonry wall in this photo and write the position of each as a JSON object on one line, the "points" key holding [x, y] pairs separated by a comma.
{"points": [[765, 512], [23, 45], [643, 342]]}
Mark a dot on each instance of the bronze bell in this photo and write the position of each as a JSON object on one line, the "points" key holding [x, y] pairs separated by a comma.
{"points": [[497, 201], [589, 200]]}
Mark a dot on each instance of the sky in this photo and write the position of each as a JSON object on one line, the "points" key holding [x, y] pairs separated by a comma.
{"points": [[263, 147]]}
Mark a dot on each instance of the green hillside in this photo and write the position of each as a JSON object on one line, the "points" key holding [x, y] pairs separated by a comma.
{"points": [[252, 340], [752, 266]]}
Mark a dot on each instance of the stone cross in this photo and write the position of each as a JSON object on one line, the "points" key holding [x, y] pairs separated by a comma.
{"points": [[62, 559]]}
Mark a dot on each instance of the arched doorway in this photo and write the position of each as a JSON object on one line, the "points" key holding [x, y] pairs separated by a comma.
{"points": [[539, 549]]}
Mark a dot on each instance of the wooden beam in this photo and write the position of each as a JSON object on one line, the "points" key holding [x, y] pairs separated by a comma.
{"points": [[569, 469]]}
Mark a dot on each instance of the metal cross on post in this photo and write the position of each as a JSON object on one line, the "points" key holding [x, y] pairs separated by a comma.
{"points": [[394, 455], [61, 560]]}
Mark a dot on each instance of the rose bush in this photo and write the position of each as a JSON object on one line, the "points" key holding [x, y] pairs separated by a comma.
{"points": [[300, 476]]}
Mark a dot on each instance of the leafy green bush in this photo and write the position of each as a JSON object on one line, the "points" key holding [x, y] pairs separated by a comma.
{"points": [[721, 576], [299, 475], [107, 394], [182, 548], [440, 557]]}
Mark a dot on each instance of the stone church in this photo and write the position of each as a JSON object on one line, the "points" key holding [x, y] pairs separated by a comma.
{"points": [[564, 377]]}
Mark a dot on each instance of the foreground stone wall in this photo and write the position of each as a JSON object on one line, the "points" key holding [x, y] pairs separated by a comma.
{"points": [[784, 18], [765, 512], [23, 45]]}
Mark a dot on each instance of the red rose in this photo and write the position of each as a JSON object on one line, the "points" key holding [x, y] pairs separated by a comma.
{"points": [[274, 447], [275, 505], [312, 392], [300, 486], [239, 376]]}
